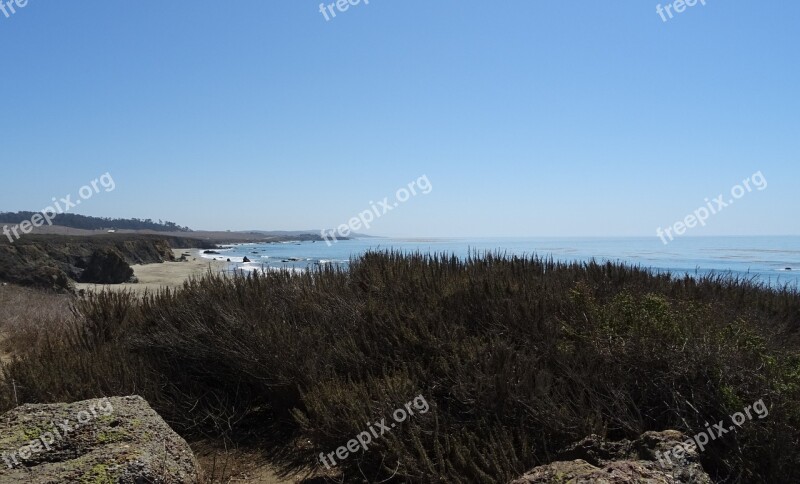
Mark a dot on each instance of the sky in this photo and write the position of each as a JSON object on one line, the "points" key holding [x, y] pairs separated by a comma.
{"points": [[526, 118]]}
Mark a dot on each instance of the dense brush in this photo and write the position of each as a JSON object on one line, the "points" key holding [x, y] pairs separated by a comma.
{"points": [[517, 358]]}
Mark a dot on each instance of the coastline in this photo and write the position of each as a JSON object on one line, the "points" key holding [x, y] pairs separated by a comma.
{"points": [[163, 275]]}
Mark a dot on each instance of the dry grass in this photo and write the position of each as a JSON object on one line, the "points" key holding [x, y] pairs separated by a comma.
{"points": [[517, 358], [234, 465], [27, 314]]}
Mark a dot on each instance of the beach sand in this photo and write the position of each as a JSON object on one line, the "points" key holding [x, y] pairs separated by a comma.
{"points": [[166, 274]]}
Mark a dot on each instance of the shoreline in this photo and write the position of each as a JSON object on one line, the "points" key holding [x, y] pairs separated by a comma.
{"points": [[163, 274]]}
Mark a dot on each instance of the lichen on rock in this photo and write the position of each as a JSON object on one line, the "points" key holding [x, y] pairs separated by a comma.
{"points": [[110, 440]]}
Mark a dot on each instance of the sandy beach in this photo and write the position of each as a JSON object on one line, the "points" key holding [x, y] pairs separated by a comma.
{"points": [[165, 274]]}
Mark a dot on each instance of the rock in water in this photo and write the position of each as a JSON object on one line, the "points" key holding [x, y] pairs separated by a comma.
{"points": [[594, 460], [119, 439], [245, 259]]}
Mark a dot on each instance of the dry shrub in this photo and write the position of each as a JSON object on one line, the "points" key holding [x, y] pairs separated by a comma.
{"points": [[26, 315], [517, 357]]}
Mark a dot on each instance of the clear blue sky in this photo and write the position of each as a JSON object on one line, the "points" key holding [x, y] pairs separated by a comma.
{"points": [[528, 117]]}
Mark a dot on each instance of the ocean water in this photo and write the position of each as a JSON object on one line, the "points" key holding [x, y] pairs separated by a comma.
{"points": [[772, 260]]}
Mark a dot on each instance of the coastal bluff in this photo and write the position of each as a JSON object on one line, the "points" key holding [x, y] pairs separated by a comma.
{"points": [[54, 262]]}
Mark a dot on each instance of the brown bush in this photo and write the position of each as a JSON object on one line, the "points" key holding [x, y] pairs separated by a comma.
{"points": [[516, 356]]}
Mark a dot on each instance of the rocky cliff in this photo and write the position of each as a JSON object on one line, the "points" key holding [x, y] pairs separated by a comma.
{"points": [[52, 261]]}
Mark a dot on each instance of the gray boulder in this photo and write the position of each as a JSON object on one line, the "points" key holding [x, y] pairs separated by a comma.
{"points": [[109, 440], [594, 460]]}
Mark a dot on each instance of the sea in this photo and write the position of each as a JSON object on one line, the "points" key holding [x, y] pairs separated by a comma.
{"points": [[774, 261]]}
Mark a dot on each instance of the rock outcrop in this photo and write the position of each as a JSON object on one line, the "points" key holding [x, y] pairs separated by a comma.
{"points": [[106, 266], [54, 261], [594, 460], [119, 439]]}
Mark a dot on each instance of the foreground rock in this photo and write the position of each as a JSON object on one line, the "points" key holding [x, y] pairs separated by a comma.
{"points": [[110, 440], [594, 460]]}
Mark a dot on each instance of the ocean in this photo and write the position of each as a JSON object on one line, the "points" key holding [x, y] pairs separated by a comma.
{"points": [[772, 260]]}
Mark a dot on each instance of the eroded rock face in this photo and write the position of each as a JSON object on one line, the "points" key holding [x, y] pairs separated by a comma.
{"points": [[110, 440], [107, 266], [53, 262], [594, 460]]}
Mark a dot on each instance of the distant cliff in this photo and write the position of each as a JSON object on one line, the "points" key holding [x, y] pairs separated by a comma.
{"points": [[53, 261]]}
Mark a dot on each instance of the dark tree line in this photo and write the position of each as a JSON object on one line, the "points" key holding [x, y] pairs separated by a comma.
{"points": [[76, 221]]}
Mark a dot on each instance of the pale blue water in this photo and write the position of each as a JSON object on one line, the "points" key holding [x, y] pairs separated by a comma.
{"points": [[763, 258]]}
